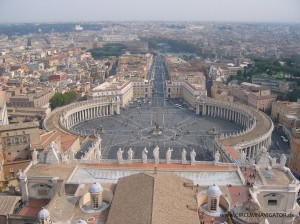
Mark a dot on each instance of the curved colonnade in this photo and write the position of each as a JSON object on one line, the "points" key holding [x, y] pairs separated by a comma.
{"points": [[79, 112], [255, 136], [257, 127]]}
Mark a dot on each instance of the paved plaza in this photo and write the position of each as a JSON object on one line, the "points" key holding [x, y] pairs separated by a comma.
{"points": [[180, 126], [133, 128]]}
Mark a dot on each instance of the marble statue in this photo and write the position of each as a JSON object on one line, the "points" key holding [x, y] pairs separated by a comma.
{"points": [[273, 162], [98, 154], [120, 156], [52, 157], [144, 155], [183, 156], [264, 160], [21, 174], [71, 154], [217, 157], [168, 155], [198, 98], [193, 157], [156, 154], [243, 158], [64, 158], [34, 157], [130, 155], [99, 140], [52, 145], [282, 160]]}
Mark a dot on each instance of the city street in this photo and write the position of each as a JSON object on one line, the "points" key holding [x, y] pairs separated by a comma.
{"points": [[278, 146]]}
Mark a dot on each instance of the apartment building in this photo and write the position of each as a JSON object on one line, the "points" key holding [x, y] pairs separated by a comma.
{"points": [[256, 96], [294, 161], [275, 85], [126, 90], [16, 140], [185, 81], [219, 91], [35, 98], [282, 108]]}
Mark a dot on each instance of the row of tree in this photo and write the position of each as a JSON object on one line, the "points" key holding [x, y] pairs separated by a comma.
{"points": [[62, 99], [114, 49], [170, 45], [272, 67], [175, 45]]}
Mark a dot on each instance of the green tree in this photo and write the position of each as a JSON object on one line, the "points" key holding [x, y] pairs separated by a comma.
{"points": [[108, 50], [294, 95], [59, 99]]}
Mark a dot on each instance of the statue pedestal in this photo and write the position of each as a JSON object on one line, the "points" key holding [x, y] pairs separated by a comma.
{"points": [[157, 132]]}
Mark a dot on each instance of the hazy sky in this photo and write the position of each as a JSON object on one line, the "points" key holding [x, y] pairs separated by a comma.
{"points": [[179, 10]]}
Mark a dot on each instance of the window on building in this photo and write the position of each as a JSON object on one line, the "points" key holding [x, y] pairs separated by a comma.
{"points": [[17, 140], [213, 205], [272, 202], [8, 142], [25, 140], [95, 202]]}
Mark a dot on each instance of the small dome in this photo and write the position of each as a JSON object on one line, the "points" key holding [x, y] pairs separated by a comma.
{"points": [[95, 188], [43, 214], [80, 221], [213, 190]]}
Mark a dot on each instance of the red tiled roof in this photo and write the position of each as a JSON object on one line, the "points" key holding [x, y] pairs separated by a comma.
{"points": [[67, 140], [232, 152], [33, 207], [238, 194], [46, 136]]}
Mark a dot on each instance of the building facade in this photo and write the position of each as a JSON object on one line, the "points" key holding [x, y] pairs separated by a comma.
{"points": [[16, 140], [126, 90], [294, 161], [275, 85], [185, 81], [254, 95], [3, 110], [282, 108], [38, 98]]}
